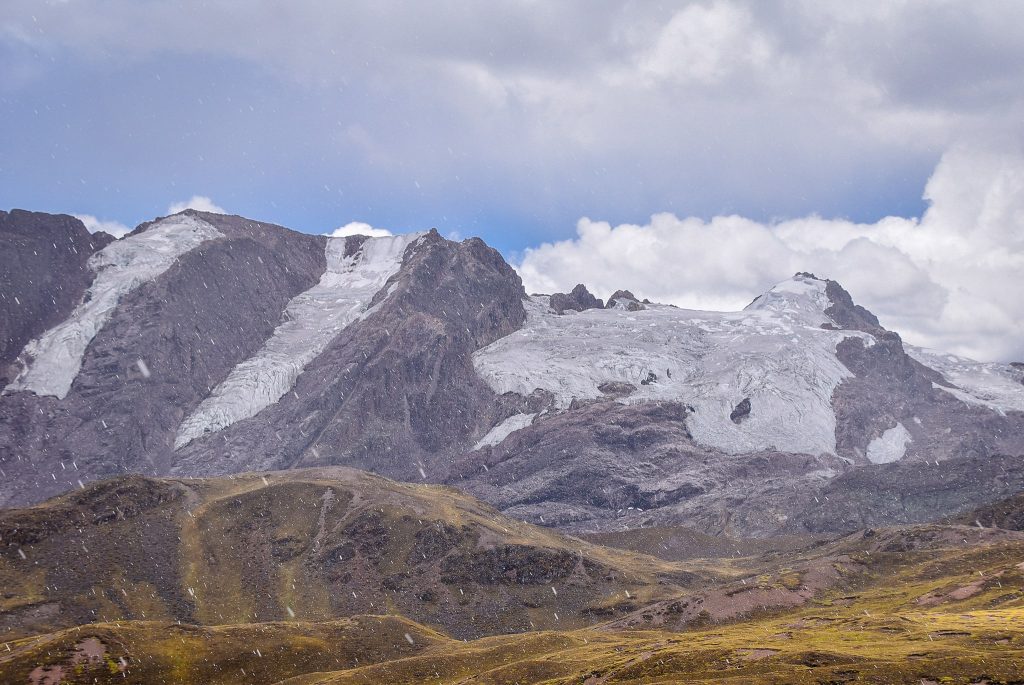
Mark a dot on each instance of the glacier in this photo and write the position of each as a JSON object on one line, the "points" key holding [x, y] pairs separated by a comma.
{"points": [[310, 321], [774, 352], [984, 383], [51, 362]]}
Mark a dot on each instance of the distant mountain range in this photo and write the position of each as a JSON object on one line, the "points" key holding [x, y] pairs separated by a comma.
{"points": [[202, 344]]}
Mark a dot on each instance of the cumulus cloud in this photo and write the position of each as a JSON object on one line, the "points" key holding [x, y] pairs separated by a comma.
{"points": [[197, 202], [359, 228], [513, 119], [94, 225], [950, 279]]}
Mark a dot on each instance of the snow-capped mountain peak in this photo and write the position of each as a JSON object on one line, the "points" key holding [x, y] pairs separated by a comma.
{"points": [[205, 344], [802, 298]]}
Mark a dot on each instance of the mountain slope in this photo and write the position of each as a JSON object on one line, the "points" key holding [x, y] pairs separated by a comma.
{"points": [[394, 392], [167, 333], [882, 605], [798, 414], [310, 545]]}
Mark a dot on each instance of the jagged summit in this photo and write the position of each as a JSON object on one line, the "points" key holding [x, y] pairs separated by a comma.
{"points": [[819, 301], [578, 299], [802, 298]]}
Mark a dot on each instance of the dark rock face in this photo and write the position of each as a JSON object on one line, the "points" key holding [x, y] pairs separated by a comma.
{"points": [[909, 492], [43, 273], [191, 326], [622, 295], [741, 411], [608, 466], [1019, 368], [890, 387], [395, 393], [1007, 514], [617, 389], [579, 299], [846, 314], [641, 468]]}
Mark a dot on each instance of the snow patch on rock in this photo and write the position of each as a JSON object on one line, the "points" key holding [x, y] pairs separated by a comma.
{"points": [[510, 425], [992, 385], [774, 352], [890, 446], [52, 361], [310, 321]]}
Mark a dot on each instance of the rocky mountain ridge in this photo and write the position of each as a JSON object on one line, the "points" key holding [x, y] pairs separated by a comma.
{"points": [[204, 344]]}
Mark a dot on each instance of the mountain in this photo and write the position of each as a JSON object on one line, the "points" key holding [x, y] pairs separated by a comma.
{"points": [[215, 432], [350, 350], [336, 575], [203, 344], [799, 413]]}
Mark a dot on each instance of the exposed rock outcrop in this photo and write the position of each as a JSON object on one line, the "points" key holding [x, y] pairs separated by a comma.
{"points": [[889, 387], [578, 300], [846, 314], [740, 411]]}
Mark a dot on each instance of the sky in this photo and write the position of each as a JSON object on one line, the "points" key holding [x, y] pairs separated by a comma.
{"points": [[692, 152]]}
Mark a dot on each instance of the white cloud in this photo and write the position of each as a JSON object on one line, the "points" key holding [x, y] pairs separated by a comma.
{"points": [[612, 108], [705, 44], [950, 280], [114, 228], [197, 202], [359, 228], [544, 112]]}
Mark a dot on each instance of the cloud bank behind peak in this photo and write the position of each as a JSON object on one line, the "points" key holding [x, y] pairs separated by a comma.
{"points": [[949, 280]]}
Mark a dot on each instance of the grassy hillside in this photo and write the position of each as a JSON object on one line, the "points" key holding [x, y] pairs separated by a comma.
{"points": [[338, 576], [310, 546]]}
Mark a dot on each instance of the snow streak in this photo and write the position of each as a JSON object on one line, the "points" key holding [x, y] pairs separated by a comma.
{"points": [[311, 320], [52, 361], [510, 425], [996, 386]]}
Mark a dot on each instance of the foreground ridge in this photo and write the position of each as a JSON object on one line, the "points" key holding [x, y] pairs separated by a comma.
{"points": [[264, 578]]}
